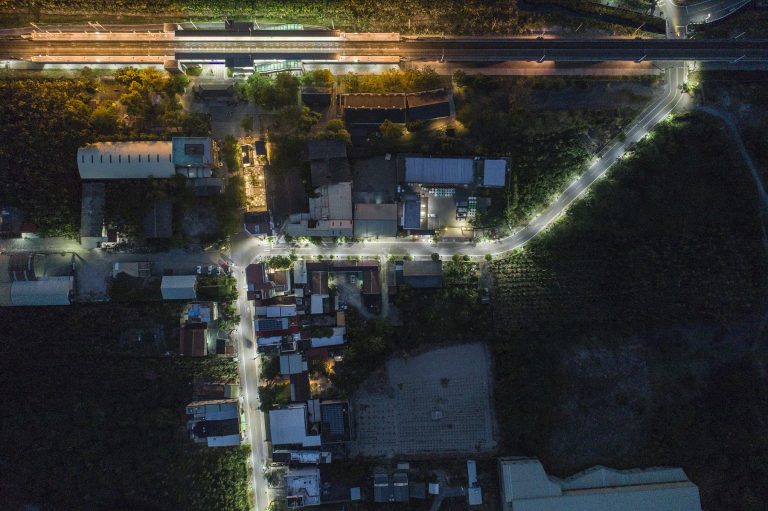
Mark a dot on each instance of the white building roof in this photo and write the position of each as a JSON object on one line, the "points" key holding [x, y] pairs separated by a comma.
{"points": [[126, 160], [179, 287], [276, 311], [526, 487], [300, 272], [303, 485], [457, 171], [292, 364], [288, 426], [494, 173], [50, 291]]}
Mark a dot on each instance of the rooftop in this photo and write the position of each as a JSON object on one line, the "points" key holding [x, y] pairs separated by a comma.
{"points": [[494, 173], [92, 210], [302, 487], [125, 160], [193, 151], [179, 287], [328, 162], [158, 222], [288, 426], [456, 171], [334, 202], [527, 487]]}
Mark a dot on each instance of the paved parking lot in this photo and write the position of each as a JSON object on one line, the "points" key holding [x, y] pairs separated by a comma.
{"points": [[433, 403]]}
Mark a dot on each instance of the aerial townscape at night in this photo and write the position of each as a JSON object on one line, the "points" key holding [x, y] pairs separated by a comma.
{"points": [[361, 255]]}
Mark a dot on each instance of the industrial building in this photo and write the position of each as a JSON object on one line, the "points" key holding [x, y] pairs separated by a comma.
{"points": [[525, 486], [193, 157]]}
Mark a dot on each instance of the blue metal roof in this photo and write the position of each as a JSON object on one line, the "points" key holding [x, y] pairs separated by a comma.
{"points": [[412, 214]]}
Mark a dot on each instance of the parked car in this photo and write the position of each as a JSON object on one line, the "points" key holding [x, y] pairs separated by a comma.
{"points": [[199, 270]]}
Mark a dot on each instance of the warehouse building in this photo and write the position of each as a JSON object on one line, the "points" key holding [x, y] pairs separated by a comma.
{"points": [[525, 486]]}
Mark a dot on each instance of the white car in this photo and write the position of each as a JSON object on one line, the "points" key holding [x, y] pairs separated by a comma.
{"points": [[210, 269], [199, 270]]}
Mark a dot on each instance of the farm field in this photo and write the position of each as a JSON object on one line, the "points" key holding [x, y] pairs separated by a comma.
{"points": [[631, 331]]}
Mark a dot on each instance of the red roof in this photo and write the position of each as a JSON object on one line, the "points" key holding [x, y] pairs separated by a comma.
{"points": [[192, 341], [300, 387], [316, 353]]}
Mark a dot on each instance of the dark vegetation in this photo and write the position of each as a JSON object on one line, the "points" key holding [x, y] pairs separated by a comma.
{"points": [[393, 80], [747, 92], [549, 147], [667, 247], [271, 93], [695, 253], [598, 11], [103, 424], [411, 16], [443, 315], [43, 122]]}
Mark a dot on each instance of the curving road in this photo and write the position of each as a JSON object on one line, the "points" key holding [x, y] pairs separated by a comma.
{"points": [[251, 250], [679, 16]]}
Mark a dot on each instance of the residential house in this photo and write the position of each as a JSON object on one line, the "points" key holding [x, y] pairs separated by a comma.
{"points": [[291, 427], [525, 486], [216, 423], [418, 274], [263, 285], [300, 457], [258, 225], [193, 339], [302, 487]]}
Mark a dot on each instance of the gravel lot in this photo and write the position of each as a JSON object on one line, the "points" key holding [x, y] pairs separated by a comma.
{"points": [[434, 403]]}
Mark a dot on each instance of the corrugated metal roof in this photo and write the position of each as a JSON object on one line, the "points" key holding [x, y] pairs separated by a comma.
{"points": [[50, 291], [179, 287], [92, 210], [439, 170], [334, 202], [526, 487], [494, 173], [376, 211], [126, 160]]}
